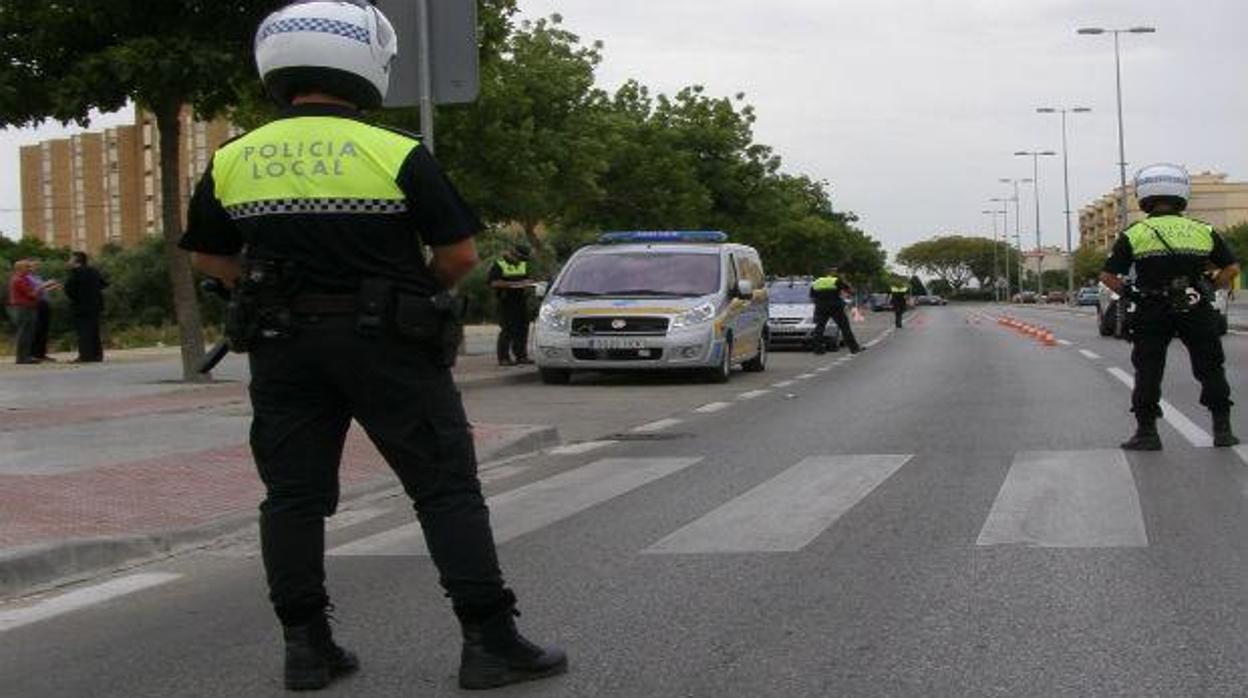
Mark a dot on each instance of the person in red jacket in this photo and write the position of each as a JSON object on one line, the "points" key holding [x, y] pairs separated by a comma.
{"points": [[23, 304]]}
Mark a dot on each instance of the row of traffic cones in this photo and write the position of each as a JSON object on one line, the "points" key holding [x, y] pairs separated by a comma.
{"points": [[1041, 334]]}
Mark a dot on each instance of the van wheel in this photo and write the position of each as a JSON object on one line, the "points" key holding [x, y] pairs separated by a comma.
{"points": [[555, 376], [722, 372], [758, 364]]}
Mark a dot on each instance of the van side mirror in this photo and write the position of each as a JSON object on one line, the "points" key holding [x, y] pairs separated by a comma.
{"points": [[745, 289]]}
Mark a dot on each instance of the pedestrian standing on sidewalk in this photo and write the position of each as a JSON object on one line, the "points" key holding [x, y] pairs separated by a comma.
{"points": [[348, 321], [509, 277], [84, 286], [43, 313], [23, 304], [1172, 297]]}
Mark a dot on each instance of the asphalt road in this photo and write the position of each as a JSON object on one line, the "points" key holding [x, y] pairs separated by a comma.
{"points": [[944, 515]]}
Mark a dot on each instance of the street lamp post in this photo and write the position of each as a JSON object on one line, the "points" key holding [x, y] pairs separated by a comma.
{"points": [[1122, 150], [995, 291], [1035, 188], [1070, 254], [1017, 234], [1003, 202]]}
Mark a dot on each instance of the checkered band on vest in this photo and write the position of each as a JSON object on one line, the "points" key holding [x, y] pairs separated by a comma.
{"points": [[315, 24], [252, 209]]}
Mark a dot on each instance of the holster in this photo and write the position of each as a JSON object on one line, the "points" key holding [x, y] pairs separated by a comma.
{"points": [[436, 322], [259, 306]]}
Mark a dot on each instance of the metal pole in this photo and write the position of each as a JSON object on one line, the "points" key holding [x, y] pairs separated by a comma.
{"points": [[996, 293], [1122, 147], [426, 75], [1018, 236], [1035, 188], [1070, 255]]}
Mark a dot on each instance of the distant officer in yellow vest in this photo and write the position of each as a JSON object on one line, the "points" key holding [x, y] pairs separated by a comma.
{"points": [[1172, 297], [509, 277], [319, 222], [898, 293], [827, 293]]}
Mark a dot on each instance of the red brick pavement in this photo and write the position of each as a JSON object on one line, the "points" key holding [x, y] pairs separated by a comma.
{"points": [[172, 492]]}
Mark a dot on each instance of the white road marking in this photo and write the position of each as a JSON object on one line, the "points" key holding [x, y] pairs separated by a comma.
{"points": [[82, 598], [1090, 354], [659, 425], [1242, 452], [1195, 435], [805, 376], [753, 394], [1064, 342], [787, 512], [1071, 499], [823, 369], [578, 449], [350, 517], [783, 384], [712, 407], [502, 471], [534, 506]]}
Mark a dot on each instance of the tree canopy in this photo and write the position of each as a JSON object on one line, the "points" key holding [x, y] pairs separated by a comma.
{"points": [[957, 259]]}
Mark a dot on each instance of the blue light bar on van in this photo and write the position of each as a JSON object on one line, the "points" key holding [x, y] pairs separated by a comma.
{"points": [[645, 236]]}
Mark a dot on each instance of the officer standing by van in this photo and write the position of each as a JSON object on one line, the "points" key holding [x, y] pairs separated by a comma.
{"points": [[827, 293], [898, 292], [509, 277], [1172, 297], [317, 221]]}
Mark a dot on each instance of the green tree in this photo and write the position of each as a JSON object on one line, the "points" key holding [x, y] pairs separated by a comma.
{"points": [[66, 58], [1088, 264], [1237, 237]]}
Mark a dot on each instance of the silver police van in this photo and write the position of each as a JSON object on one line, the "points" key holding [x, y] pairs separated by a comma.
{"points": [[655, 300]]}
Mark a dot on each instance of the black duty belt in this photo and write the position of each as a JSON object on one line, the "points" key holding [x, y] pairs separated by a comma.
{"points": [[324, 304]]}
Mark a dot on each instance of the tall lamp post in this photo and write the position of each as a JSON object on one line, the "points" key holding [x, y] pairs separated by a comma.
{"points": [[1003, 202], [1122, 150], [1035, 188], [1005, 236], [1070, 253], [995, 291], [1017, 234]]}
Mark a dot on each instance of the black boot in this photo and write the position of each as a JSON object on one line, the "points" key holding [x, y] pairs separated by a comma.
{"points": [[313, 659], [1146, 437], [1222, 434], [496, 654]]}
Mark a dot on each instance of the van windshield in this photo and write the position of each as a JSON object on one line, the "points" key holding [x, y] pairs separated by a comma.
{"points": [[641, 274]]}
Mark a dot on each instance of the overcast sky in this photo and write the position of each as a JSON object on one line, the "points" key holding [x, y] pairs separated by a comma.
{"points": [[912, 109]]}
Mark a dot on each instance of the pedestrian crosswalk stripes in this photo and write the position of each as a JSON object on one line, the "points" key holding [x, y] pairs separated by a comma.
{"points": [[1073, 499], [534, 506], [788, 511]]}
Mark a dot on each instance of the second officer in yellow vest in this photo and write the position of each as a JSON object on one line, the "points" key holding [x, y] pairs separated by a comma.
{"points": [[898, 293], [509, 277], [827, 293], [1173, 297]]}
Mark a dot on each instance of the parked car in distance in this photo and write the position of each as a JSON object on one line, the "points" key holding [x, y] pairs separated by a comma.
{"points": [[1055, 297], [1087, 295], [881, 301], [930, 299], [1025, 297], [791, 315]]}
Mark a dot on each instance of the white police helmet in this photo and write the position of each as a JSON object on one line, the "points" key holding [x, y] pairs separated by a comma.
{"points": [[340, 47], [1163, 179]]}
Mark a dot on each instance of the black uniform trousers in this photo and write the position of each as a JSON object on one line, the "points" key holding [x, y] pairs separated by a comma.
{"points": [[899, 307], [836, 313], [1153, 325], [513, 335], [87, 327], [305, 392]]}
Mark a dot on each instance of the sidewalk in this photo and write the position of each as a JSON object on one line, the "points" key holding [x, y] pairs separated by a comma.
{"points": [[101, 464]]}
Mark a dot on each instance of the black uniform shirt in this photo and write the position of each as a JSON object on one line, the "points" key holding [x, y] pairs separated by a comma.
{"points": [[335, 252], [508, 296], [1156, 272], [831, 298]]}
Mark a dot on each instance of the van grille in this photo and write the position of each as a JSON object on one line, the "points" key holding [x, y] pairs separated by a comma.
{"points": [[619, 326], [617, 354]]}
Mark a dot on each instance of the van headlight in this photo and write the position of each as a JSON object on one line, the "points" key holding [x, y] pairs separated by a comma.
{"points": [[553, 319], [694, 316]]}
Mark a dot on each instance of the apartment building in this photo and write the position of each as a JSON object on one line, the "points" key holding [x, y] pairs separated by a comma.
{"points": [[97, 188]]}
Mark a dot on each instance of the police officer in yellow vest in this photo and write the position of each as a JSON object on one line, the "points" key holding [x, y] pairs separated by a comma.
{"points": [[898, 293], [827, 293], [1172, 297], [317, 221], [509, 277]]}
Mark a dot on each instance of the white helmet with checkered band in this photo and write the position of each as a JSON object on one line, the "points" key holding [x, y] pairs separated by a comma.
{"points": [[1163, 179], [340, 47]]}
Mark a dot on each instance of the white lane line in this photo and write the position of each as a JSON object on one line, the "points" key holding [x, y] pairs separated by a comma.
{"points": [[712, 407], [82, 598], [1071, 499], [659, 425], [1065, 343], [578, 449], [502, 471], [537, 505], [805, 376], [823, 369], [787, 512], [1194, 434], [1242, 452], [753, 394], [350, 517], [783, 384], [1090, 354]]}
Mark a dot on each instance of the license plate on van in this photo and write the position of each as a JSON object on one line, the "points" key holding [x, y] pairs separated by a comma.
{"points": [[617, 343]]}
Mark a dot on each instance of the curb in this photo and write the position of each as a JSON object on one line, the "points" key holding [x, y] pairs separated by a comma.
{"points": [[37, 567]]}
